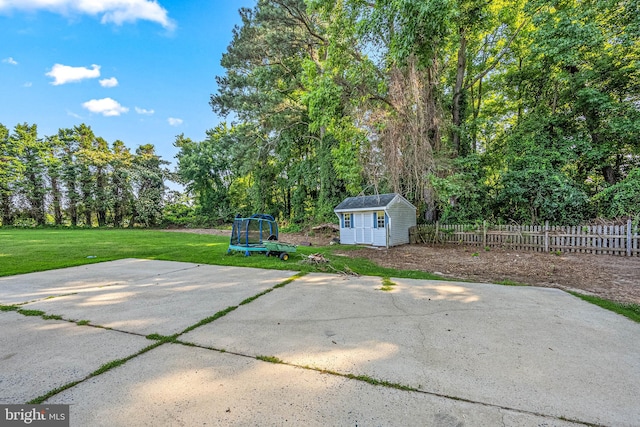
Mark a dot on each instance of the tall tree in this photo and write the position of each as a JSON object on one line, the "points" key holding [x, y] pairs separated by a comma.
{"points": [[30, 152], [205, 169], [120, 183], [273, 60], [100, 158], [148, 185], [401, 112], [484, 34], [70, 173], [53, 162], [84, 156], [10, 171]]}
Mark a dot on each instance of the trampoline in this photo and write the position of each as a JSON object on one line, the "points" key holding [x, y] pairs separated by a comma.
{"points": [[249, 234]]}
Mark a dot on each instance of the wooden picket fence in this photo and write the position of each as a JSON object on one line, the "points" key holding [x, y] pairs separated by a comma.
{"points": [[621, 240]]}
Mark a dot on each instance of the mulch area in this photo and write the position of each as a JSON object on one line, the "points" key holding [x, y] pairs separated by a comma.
{"points": [[611, 277]]}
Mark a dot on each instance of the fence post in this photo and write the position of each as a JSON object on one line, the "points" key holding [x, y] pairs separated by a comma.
{"points": [[436, 237], [484, 234], [546, 236], [628, 236]]}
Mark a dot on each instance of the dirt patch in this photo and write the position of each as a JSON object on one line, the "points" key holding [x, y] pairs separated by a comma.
{"points": [[611, 277]]}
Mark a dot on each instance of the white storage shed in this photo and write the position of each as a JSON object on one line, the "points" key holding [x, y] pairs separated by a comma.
{"points": [[380, 220]]}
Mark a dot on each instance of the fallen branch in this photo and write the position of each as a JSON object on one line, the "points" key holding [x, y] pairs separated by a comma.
{"points": [[322, 263], [315, 259], [346, 272]]}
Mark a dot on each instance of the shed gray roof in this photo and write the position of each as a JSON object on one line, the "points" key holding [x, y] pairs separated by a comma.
{"points": [[366, 202]]}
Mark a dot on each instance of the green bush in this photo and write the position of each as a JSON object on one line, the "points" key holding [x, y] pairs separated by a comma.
{"points": [[621, 199], [535, 194]]}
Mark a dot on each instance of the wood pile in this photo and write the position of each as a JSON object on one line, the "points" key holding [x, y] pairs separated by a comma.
{"points": [[327, 227]]}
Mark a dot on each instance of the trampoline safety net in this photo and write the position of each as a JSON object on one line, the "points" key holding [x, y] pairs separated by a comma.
{"points": [[254, 230]]}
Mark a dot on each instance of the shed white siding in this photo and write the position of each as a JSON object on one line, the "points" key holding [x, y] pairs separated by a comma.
{"points": [[380, 233], [401, 217], [347, 234], [382, 225]]}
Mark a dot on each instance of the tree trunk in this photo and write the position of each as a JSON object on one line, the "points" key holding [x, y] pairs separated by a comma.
{"points": [[134, 216], [476, 113], [73, 205], [5, 204], [87, 217], [117, 214], [519, 93], [609, 174], [55, 194], [100, 196], [36, 200], [73, 214], [457, 92]]}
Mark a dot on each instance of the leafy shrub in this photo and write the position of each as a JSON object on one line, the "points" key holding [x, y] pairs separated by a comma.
{"points": [[537, 194], [621, 199]]}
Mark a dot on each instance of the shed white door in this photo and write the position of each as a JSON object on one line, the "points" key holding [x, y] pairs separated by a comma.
{"points": [[363, 224]]}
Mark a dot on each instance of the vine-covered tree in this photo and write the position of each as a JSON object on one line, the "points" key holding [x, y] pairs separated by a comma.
{"points": [[148, 185], [70, 173], [120, 183], [53, 162], [10, 173], [30, 152], [76, 178], [85, 139]]}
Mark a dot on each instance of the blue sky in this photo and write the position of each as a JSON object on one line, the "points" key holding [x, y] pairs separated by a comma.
{"points": [[140, 71]]}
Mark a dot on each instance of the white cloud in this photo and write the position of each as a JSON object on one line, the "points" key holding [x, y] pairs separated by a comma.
{"points": [[174, 121], [110, 82], [144, 111], [106, 106], [65, 74], [115, 11], [9, 60], [27, 84]]}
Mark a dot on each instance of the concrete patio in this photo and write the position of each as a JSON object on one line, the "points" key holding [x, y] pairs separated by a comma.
{"points": [[320, 349]]}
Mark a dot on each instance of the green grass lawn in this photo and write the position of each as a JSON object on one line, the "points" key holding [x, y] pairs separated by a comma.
{"points": [[29, 250]]}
